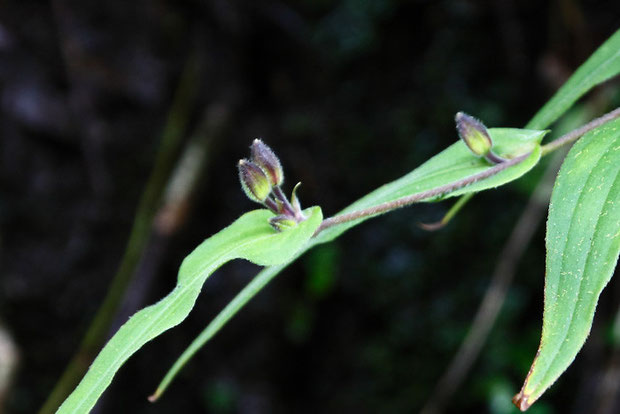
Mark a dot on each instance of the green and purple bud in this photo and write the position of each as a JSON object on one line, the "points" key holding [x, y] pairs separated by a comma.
{"points": [[254, 181], [282, 222], [265, 158], [474, 134]]}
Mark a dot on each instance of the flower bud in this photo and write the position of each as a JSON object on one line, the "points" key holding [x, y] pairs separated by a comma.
{"points": [[266, 159], [254, 181], [474, 133], [282, 222]]}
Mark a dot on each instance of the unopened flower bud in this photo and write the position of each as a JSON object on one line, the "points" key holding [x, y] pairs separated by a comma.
{"points": [[282, 222], [265, 158], [254, 181], [474, 134]]}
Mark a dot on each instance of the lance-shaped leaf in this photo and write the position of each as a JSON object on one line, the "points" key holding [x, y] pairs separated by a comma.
{"points": [[250, 237], [452, 164], [583, 242]]}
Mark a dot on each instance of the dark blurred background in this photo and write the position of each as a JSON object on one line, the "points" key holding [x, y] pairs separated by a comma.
{"points": [[121, 126]]}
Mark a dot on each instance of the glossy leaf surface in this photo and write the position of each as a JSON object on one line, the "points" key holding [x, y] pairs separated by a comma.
{"points": [[583, 242], [250, 237]]}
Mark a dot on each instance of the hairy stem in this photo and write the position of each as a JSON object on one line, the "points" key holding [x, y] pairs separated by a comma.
{"points": [[277, 192], [414, 198], [577, 133], [493, 158], [271, 205]]}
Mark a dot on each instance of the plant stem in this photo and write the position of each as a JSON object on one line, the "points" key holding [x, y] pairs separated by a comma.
{"points": [[271, 205], [449, 215], [494, 158], [577, 133], [279, 194], [414, 198]]}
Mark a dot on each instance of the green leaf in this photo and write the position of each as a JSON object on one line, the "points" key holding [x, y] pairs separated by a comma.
{"points": [[249, 237], [602, 65], [454, 163], [583, 243], [256, 285]]}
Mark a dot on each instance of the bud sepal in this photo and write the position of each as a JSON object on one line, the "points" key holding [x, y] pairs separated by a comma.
{"points": [[254, 181], [282, 222], [296, 204]]}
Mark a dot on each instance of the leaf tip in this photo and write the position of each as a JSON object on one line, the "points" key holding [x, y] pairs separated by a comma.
{"points": [[437, 225], [155, 396], [521, 401]]}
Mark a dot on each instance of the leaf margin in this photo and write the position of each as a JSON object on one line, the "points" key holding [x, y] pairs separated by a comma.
{"points": [[101, 372], [534, 386]]}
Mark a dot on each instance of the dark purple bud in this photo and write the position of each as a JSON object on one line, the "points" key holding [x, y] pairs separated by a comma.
{"points": [[266, 159]]}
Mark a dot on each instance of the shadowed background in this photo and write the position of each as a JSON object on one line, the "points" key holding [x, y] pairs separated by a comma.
{"points": [[121, 126]]}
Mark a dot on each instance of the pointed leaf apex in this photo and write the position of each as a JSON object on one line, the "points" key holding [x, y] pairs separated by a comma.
{"points": [[521, 401]]}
